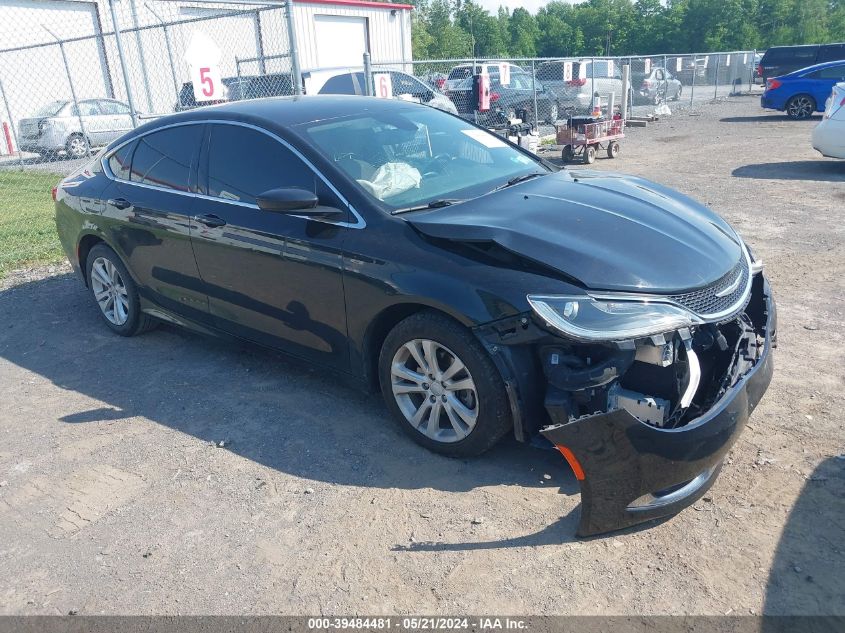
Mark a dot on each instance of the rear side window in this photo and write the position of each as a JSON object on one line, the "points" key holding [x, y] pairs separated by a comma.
{"points": [[120, 161], [244, 163], [459, 73], [791, 55], [834, 72], [164, 158], [339, 85], [831, 53]]}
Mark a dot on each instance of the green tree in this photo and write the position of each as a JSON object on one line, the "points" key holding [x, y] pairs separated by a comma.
{"points": [[524, 34]]}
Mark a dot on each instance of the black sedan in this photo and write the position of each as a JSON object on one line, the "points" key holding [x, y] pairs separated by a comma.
{"points": [[507, 101], [482, 291]]}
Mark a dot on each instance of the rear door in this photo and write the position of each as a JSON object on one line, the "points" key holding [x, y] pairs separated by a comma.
{"points": [[272, 278], [117, 116], [823, 81], [148, 208]]}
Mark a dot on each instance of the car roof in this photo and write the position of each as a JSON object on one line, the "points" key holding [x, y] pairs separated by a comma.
{"points": [[278, 113]]}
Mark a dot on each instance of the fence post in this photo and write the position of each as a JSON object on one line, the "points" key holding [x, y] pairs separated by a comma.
{"points": [[122, 58], [716, 82], [692, 86], [368, 75], [294, 52], [534, 90], [751, 70], [169, 48], [85, 135], [11, 124], [259, 44], [626, 81], [593, 82]]}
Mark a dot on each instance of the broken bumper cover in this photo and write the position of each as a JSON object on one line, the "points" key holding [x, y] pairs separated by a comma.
{"points": [[631, 472]]}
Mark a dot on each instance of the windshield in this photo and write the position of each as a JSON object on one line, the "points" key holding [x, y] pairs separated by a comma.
{"points": [[51, 109], [412, 157]]}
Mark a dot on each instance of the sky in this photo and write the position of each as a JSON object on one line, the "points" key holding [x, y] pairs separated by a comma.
{"points": [[493, 5]]}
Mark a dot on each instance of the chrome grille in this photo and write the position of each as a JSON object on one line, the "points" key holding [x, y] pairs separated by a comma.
{"points": [[705, 302]]}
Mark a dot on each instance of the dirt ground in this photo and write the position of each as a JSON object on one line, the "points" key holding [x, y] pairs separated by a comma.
{"points": [[175, 474]]}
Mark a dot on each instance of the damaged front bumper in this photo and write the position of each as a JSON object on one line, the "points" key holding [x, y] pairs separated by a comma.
{"points": [[631, 471]]}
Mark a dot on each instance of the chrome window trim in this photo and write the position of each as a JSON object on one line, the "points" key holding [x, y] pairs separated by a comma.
{"points": [[359, 223]]}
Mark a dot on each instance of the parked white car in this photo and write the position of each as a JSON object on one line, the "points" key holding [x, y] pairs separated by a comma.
{"points": [[589, 76], [56, 126], [829, 135], [462, 71]]}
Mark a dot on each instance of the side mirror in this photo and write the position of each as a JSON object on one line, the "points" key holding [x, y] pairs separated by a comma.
{"points": [[294, 201]]}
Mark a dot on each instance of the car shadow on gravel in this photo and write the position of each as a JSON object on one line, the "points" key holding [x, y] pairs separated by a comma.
{"points": [[764, 118], [816, 170], [806, 575], [283, 414]]}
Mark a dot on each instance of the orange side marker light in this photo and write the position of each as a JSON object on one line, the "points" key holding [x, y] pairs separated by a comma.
{"points": [[573, 461]]}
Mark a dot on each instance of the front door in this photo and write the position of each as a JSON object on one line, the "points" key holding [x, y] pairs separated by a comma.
{"points": [[270, 277]]}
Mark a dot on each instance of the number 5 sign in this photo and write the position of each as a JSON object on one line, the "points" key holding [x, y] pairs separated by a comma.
{"points": [[203, 57], [383, 85]]}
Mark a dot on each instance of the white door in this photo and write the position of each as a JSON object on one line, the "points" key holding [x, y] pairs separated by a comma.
{"points": [[341, 40]]}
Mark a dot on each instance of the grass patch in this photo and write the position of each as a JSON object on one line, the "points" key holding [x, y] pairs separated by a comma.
{"points": [[27, 220]]}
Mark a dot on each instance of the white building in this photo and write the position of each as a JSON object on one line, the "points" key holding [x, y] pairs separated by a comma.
{"points": [[252, 38]]}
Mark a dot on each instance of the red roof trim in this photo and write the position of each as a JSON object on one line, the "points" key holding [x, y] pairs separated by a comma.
{"points": [[360, 3]]}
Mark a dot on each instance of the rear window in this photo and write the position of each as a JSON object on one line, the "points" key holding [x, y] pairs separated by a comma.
{"points": [[831, 53], [340, 85], [460, 73], [791, 55], [550, 72]]}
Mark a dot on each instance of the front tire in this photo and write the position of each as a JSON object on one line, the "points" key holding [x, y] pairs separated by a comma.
{"points": [[442, 386], [76, 146], [800, 107], [115, 293]]}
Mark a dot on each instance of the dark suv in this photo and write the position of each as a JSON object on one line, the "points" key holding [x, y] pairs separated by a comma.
{"points": [[780, 60]]}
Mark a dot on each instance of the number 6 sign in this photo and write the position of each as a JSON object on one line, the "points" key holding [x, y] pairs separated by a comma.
{"points": [[383, 85], [203, 57]]}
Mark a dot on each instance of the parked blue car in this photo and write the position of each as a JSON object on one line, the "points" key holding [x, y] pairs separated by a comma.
{"points": [[803, 92]]}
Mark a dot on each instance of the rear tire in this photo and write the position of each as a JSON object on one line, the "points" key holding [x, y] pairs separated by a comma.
{"points": [[612, 149], [458, 414], [115, 293], [800, 107], [77, 146]]}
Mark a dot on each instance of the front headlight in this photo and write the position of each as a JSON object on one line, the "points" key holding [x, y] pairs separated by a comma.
{"points": [[592, 319]]}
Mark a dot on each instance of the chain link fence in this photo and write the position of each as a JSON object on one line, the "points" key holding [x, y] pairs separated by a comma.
{"points": [[541, 91], [77, 76]]}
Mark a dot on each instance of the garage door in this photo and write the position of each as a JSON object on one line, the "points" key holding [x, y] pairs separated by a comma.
{"points": [[341, 40], [22, 22]]}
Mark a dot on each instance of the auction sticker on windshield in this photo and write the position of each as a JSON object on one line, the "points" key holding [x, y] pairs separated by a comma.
{"points": [[485, 138]]}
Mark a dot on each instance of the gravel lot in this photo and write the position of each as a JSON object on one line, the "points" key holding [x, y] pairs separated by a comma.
{"points": [[176, 474]]}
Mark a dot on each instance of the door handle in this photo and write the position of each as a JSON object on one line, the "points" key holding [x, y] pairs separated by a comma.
{"points": [[119, 203], [211, 221]]}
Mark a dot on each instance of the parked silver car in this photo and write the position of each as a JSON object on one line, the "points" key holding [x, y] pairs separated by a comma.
{"points": [[588, 77], [56, 126]]}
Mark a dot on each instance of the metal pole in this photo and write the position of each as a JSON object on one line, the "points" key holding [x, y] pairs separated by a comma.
{"points": [[141, 57], [11, 124], [751, 70], [259, 44], [122, 58], [534, 90], [626, 80], [716, 82], [368, 75], [294, 52], [85, 135], [169, 48], [593, 82], [692, 86]]}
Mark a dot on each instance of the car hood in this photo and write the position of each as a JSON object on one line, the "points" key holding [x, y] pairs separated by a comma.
{"points": [[605, 231]]}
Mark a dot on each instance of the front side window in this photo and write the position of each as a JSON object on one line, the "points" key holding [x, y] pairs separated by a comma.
{"points": [[409, 157], [163, 158], [244, 163], [86, 108]]}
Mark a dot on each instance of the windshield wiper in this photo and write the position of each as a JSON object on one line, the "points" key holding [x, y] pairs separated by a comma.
{"points": [[522, 178], [434, 204]]}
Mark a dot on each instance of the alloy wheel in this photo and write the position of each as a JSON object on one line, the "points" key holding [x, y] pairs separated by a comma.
{"points": [[801, 107], [434, 390], [77, 147], [109, 291]]}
